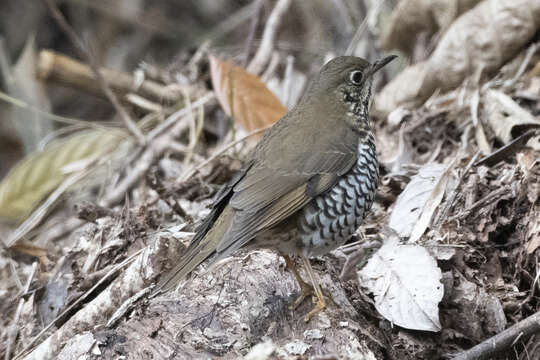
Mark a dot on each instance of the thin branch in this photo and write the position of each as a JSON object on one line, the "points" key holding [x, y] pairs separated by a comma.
{"points": [[252, 29], [159, 140], [164, 126], [62, 69], [269, 37], [81, 48]]}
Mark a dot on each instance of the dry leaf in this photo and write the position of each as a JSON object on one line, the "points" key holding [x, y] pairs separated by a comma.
{"points": [[244, 97], [467, 47], [431, 204], [505, 117], [412, 17], [412, 200], [406, 283], [39, 173], [402, 91]]}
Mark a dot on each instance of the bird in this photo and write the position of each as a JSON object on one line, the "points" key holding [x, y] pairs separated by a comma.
{"points": [[306, 186]]}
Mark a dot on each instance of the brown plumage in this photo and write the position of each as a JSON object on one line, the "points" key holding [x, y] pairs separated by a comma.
{"points": [[312, 156]]}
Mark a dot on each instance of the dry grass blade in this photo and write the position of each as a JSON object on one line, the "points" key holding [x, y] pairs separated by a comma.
{"points": [[244, 96]]}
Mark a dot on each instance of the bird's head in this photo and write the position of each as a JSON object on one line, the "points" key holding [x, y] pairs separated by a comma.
{"points": [[345, 83]]}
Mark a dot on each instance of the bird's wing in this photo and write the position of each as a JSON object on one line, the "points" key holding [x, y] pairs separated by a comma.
{"points": [[267, 195]]}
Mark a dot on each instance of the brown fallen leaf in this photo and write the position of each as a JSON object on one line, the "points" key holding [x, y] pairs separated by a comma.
{"points": [[243, 96]]}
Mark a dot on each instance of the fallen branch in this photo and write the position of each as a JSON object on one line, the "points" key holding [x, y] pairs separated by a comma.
{"points": [[500, 342], [64, 70]]}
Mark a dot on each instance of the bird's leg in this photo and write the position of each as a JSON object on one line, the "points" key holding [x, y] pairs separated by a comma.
{"points": [[305, 288], [321, 301]]}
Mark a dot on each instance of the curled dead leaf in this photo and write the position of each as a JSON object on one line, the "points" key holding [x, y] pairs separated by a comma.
{"points": [[466, 48], [243, 96]]}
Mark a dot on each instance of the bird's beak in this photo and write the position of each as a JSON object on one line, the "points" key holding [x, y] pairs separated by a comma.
{"points": [[379, 64]]}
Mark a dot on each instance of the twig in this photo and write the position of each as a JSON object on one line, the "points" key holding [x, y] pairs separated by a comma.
{"points": [[269, 37], [526, 60], [126, 305], [59, 68], [79, 45], [508, 149], [498, 343], [356, 37], [164, 126], [485, 200], [252, 29], [153, 151], [155, 147], [220, 152], [12, 335]]}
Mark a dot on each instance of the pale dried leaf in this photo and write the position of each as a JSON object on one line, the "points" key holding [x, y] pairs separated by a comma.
{"points": [[431, 204], [244, 97], [410, 203], [402, 91], [412, 17], [505, 117], [465, 49], [394, 154], [406, 284], [39, 173]]}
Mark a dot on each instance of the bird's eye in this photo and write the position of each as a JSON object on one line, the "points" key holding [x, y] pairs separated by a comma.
{"points": [[356, 77]]}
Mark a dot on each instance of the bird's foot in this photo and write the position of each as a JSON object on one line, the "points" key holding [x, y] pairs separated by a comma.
{"points": [[306, 290], [319, 306]]}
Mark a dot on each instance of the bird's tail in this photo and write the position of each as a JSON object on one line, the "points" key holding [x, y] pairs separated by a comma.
{"points": [[202, 247]]}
